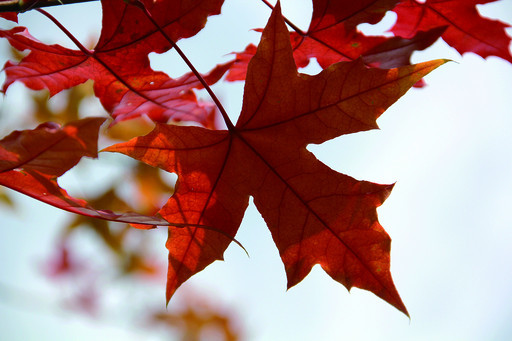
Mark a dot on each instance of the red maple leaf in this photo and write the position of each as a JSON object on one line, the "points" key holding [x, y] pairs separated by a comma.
{"points": [[178, 19], [31, 161], [332, 37], [466, 30], [328, 13], [175, 97], [13, 16], [315, 214], [119, 64], [337, 44]]}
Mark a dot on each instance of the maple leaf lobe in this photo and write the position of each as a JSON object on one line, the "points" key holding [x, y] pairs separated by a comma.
{"points": [[50, 149], [32, 160], [466, 30]]}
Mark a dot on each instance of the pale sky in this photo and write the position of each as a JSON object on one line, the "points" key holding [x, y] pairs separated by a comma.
{"points": [[448, 147]]}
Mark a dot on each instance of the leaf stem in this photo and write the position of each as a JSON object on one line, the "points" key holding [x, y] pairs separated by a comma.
{"points": [[230, 125], [227, 120], [306, 34], [91, 54], [286, 20], [66, 32]]}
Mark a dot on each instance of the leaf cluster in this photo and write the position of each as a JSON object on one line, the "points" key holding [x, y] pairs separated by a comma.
{"points": [[315, 214]]}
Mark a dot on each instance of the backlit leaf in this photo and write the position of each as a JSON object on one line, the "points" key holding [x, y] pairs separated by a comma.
{"points": [[315, 214]]}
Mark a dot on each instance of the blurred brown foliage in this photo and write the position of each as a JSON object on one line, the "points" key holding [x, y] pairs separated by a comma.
{"points": [[68, 269]]}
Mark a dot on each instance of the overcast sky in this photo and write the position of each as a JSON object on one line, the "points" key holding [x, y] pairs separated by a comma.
{"points": [[447, 146]]}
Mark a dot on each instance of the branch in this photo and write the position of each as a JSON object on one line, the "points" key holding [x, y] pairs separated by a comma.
{"points": [[23, 6]]}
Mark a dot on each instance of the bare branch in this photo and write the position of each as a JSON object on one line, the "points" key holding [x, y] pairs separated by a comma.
{"points": [[23, 6]]}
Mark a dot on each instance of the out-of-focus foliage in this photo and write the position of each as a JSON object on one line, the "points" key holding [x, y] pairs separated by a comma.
{"points": [[81, 281]]}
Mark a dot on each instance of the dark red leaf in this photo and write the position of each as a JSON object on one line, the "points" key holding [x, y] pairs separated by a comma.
{"points": [[31, 161], [397, 51], [119, 65], [51, 67], [170, 98], [315, 214], [467, 30], [239, 69], [332, 37], [329, 13], [12, 16], [337, 44], [127, 30]]}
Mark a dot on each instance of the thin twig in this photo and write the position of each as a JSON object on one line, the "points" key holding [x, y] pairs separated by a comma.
{"points": [[203, 82], [91, 54], [66, 32], [22, 6], [287, 21], [228, 122], [307, 34]]}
